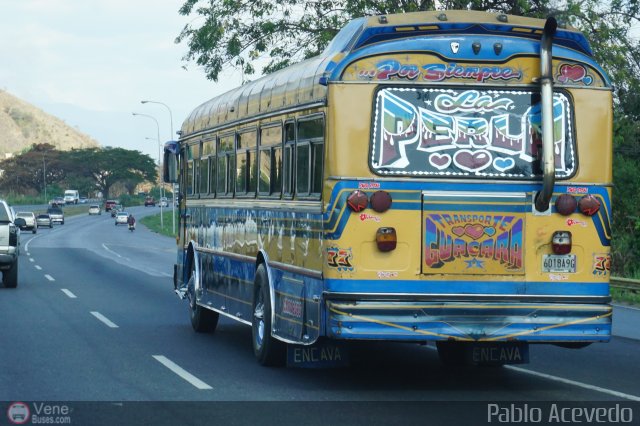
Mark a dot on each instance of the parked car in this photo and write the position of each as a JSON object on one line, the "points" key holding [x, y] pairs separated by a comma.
{"points": [[109, 204], [149, 201], [95, 209], [83, 200], [121, 218], [44, 220], [30, 221], [57, 215]]}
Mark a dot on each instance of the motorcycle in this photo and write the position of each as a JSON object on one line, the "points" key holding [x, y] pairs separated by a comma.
{"points": [[132, 227]]}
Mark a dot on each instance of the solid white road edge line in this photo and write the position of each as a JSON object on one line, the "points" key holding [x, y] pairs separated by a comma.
{"points": [[182, 372], [104, 319], [109, 250], [49, 277], [574, 383], [566, 381], [68, 293]]}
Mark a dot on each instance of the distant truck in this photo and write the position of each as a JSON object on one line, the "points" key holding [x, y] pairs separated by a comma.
{"points": [[71, 196]]}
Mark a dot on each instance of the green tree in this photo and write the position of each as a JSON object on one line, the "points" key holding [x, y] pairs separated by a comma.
{"points": [[108, 166], [26, 173]]}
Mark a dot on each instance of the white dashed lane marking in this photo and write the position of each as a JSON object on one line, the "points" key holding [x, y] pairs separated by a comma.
{"points": [[68, 293], [104, 319]]}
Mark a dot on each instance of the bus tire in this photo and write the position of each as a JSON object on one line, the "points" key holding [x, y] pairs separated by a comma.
{"points": [[268, 351], [203, 320]]}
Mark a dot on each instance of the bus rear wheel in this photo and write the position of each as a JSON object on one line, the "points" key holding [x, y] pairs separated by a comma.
{"points": [[268, 351], [203, 320]]}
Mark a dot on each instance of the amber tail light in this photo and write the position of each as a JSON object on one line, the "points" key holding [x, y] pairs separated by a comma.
{"points": [[386, 239]]}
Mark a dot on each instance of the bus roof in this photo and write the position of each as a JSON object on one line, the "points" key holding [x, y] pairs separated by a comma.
{"points": [[305, 83]]}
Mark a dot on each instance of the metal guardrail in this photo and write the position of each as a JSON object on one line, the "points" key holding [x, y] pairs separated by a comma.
{"points": [[625, 283]]}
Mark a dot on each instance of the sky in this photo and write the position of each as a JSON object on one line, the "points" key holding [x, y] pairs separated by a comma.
{"points": [[92, 62]]}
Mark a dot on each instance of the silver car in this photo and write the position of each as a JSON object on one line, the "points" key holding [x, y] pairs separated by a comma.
{"points": [[44, 220]]}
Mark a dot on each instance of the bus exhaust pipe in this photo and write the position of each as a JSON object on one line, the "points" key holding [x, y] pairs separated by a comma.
{"points": [[546, 89]]}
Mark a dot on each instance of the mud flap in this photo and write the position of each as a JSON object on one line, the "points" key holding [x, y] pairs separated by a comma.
{"points": [[322, 354]]}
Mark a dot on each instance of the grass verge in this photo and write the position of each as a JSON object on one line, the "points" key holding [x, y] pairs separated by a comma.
{"points": [[625, 297], [153, 223]]}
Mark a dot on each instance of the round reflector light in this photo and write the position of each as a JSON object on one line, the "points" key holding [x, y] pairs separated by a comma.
{"points": [[589, 205], [357, 201], [381, 201], [566, 204]]}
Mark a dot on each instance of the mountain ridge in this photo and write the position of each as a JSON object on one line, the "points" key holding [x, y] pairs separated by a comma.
{"points": [[23, 124]]}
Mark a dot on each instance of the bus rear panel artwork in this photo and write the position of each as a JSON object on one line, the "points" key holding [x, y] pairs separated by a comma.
{"points": [[424, 179]]}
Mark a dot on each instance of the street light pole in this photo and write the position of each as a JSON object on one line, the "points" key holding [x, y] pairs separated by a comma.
{"points": [[173, 186], [44, 178], [159, 159]]}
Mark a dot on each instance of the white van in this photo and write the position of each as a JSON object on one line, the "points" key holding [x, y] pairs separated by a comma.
{"points": [[71, 196]]}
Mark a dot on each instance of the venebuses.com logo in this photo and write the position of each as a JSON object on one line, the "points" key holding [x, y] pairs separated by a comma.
{"points": [[18, 413]]}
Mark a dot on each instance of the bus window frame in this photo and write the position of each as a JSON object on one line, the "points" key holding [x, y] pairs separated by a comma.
{"points": [[246, 193], [273, 193], [210, 159], [289, 144], [310, 142], [229, 187]]}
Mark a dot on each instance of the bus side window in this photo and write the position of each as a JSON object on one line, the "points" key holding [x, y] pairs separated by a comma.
{"points": [[309, 156], [270, 172], [288, 163], [225, 164], [207, 167], [245, 175]]}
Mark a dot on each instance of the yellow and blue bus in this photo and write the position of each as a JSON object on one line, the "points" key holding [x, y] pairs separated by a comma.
{"points": [[432, 176]]}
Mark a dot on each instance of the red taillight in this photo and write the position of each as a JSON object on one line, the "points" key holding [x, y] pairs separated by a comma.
{"points": [[357, 201], [561, 242], [386, 239], [589, 205], [566, 204]]}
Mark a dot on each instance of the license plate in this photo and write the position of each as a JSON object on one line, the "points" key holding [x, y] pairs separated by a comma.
{"points": [[559, 263], [499, 353]]}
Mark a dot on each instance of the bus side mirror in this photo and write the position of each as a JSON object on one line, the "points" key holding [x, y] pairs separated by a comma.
{"points": [[170, 169]]}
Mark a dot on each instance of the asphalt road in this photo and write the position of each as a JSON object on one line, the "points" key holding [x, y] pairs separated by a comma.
{"points": [[94, 318]]}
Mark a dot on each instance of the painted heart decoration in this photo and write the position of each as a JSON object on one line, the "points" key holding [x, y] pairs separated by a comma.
{"points": [[440, 162], [472, 161], [503, 164], [474, 231], [571, 73], [458, 231]]}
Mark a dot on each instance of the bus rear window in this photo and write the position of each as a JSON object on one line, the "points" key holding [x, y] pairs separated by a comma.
{"points": [[467, 133]]}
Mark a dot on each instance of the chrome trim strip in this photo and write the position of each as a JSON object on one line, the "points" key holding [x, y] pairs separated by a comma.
{"points": [[235, 256], [296, 270], [428, 297], [467, 181]]}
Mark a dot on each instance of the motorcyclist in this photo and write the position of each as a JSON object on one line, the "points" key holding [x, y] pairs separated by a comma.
{"points": [[131, 221]]}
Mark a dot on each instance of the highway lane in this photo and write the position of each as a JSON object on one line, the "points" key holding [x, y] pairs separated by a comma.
{"points": [[94, 318]]}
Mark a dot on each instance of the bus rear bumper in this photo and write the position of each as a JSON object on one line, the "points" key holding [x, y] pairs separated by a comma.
{"points": [[468, 321]]}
